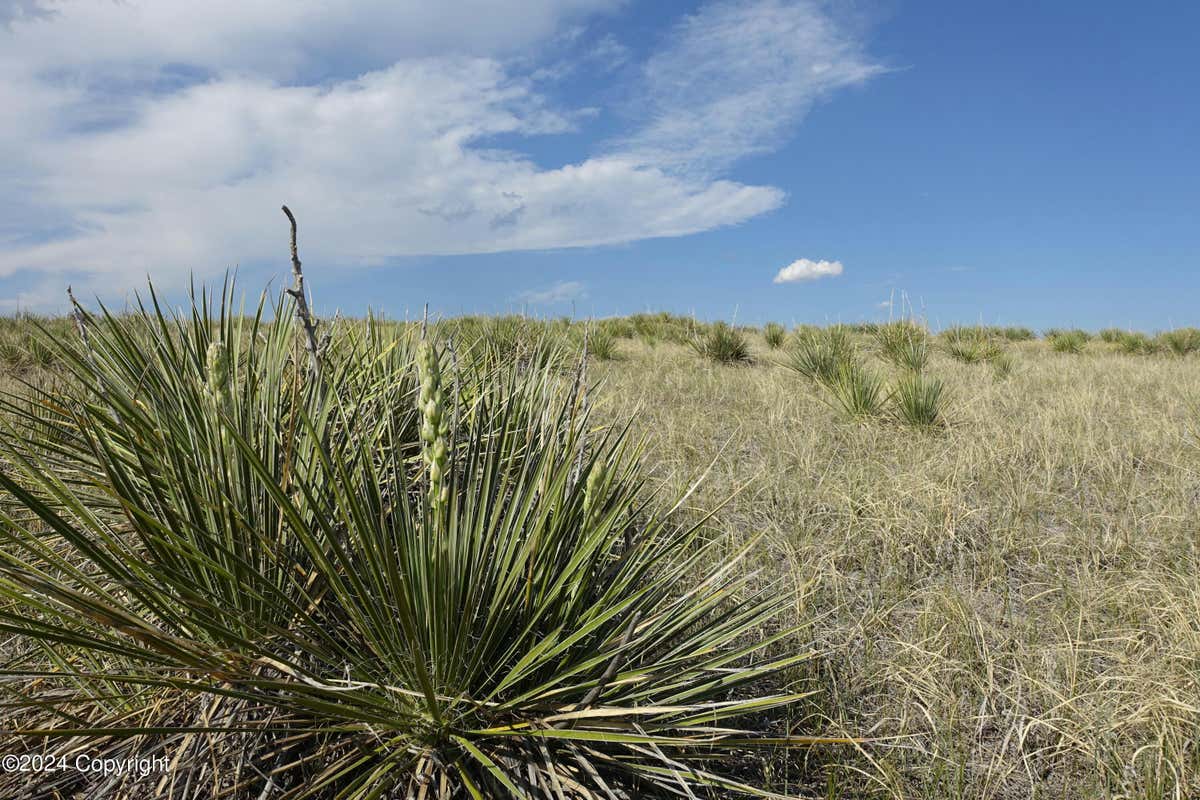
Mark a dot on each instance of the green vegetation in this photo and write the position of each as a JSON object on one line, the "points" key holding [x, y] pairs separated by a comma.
{"points": [[857, 391], [905, 344], [774, 335], [394, 566], [601, 344], [723, 344], [1136, 343], [970, 345], [920, 400], [1003, 364], [820, 354], [1071, 341], [451, 559], [1181, 341]]}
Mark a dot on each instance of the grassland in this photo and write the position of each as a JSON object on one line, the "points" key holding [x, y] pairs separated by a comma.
{"points": [[1003, 605], [1013, 601]]}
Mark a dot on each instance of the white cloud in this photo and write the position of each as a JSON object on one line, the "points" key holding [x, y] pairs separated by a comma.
{"points": [[561, 292], [805, 270], [737, 77], [280, 39], [161, 137]]}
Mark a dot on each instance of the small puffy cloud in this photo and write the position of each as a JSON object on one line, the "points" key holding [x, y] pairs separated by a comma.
{"points": [[803, 269], [561, 292]]}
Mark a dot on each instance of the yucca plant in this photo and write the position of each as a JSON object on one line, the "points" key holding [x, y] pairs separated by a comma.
{"points": [[903, 343], [920, 400], [857, 391], [723, 344], [774, 334], [374, 569], [1072, 341], [40, 355], [601, 344], [1111, 335], [1003, 364], [518, 341], [1017, 334], [819, 354], [969, 344], [13, 357], [1180, 341], [968, 351], [620, 327], [1137, 343]]}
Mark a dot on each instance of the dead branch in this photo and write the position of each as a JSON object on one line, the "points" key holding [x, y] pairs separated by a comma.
{"points": [[303, 313]]}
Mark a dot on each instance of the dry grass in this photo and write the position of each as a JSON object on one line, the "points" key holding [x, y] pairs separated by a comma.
{"points": [[1010, 607]]}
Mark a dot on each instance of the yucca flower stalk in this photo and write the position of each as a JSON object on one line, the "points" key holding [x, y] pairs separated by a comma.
{"points": [[435, 425]]}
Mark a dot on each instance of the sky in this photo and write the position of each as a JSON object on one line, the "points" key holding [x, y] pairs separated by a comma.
{"points": [[1001, 162]]}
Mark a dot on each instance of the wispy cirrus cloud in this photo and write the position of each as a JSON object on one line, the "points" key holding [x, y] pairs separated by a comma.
{"points": [[803, 269], [561, 292], [161, 137], [735, 79]]}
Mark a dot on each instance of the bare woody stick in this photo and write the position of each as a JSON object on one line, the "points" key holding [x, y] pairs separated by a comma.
{"points": [[305, 317]]}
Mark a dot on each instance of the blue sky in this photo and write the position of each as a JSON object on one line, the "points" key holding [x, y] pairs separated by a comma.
{"points": [[1018, 163]]}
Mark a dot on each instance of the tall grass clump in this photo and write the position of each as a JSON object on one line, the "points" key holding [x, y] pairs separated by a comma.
{"points": [[723, 344], [819, 354], [774, 334], [369, 569], [857, 391], [920, 400], [904, 344]]}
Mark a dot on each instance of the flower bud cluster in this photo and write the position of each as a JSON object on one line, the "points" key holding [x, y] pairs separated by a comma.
{"points": [[217, 372], [435, 427], [592, 488]]}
